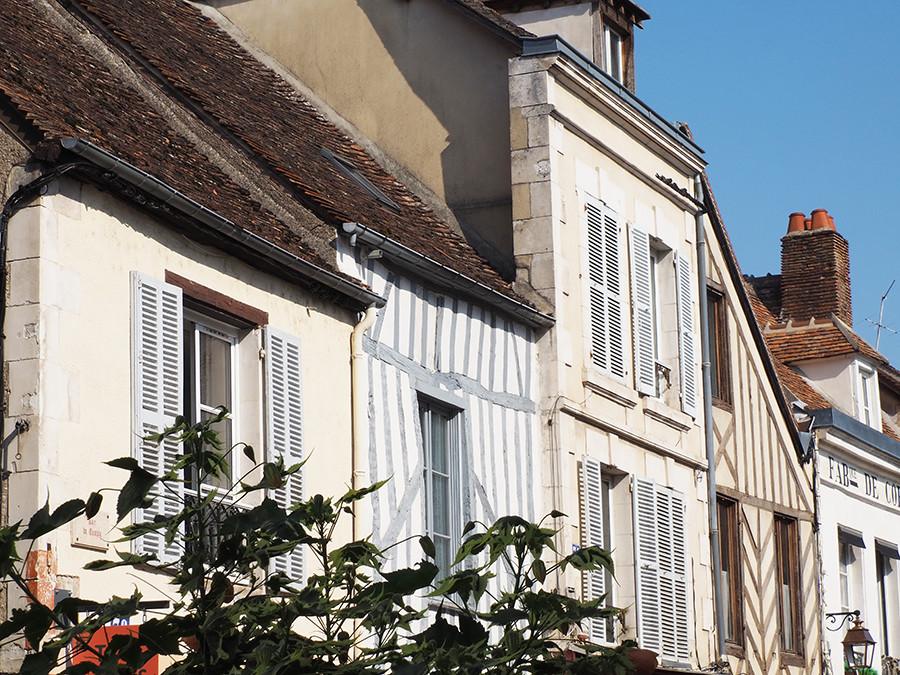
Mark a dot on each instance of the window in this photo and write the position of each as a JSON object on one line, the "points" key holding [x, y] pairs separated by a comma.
{"points": [[595, 531], [788, 580], [661, 571], [869, 410], [604, 289], [730, 554], [850, 548], [886, 562], [191, 347], [210, 382], [718, 347], [443, 498], [614, 52]]}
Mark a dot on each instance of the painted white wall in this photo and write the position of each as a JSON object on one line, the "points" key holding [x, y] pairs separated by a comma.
{"points": [[68, 352], [850, 498]]}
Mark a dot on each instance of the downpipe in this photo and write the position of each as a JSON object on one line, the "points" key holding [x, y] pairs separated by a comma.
{"points": [[708, 430], [359, 396]]}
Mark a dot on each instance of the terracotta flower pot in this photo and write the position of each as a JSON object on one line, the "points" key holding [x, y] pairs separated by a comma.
{"points": [[644, 661]]}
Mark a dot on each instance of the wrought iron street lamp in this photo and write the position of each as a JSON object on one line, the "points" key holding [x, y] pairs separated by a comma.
{"points": [[859, 645]]}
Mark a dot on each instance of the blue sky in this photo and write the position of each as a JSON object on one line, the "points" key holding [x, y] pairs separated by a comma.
{"points": [[797, 106]]}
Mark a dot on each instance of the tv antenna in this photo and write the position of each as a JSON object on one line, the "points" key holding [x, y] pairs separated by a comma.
{"points": [[880, 323]]}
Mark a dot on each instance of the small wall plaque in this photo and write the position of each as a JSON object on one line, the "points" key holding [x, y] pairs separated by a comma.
{"points": [[89, 532]]}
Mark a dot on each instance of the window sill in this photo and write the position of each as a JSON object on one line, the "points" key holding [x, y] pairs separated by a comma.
{"points": [[734, 649], [789, 659], [609, 388], [659, 411], [722, 404]]}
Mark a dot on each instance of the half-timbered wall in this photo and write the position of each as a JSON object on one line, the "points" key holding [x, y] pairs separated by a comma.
{"points": [[758, 467], [427, 343]]}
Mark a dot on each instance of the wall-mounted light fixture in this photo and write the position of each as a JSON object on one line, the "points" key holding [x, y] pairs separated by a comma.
{"points": [[859, 645]]}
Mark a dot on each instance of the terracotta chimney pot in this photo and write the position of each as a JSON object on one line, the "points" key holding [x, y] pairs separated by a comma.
{"points": [[796, 222], [807, 224], [820, 220]]}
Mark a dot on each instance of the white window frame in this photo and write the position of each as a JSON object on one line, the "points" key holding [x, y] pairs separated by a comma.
{"points": [[868, 406], [200, 324], [850, 573], [428, 405], [611, 35]]}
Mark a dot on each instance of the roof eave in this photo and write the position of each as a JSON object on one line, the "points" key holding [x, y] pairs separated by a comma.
{"points": [[145, 182]]}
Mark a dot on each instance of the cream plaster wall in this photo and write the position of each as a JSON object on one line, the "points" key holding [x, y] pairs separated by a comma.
{"points": [[573, 23], [420, 79], [567, 144], [69, 357]]}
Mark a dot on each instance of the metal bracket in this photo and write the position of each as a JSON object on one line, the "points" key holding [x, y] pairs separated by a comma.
{"points": [[22, 425], [846, 617]]}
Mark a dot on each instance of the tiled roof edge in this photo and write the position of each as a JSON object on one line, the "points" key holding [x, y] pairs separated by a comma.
{"points": [[734, 271], [141, 180]]}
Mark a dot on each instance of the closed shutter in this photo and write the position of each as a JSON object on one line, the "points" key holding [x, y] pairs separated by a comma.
{"points": [[158, 399], [646, 556], [605, 288], [284, 428], [642, 301], [686, 341], [592, 535]]}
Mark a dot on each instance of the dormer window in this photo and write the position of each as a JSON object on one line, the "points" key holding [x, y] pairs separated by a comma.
{"points": [[867, 403], [614, 52]]}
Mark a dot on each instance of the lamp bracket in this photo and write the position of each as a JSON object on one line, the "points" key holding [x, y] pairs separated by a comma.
{"points": [[845, 618]]}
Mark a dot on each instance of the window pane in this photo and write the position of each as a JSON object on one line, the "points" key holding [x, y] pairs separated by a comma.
{"points": [[223, 429], [785, 537], [215, 371], [615, 55], [440, 504], [440, 431]]}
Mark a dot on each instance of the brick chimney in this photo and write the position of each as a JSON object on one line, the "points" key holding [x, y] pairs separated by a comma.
{"points": [[815, 269]]}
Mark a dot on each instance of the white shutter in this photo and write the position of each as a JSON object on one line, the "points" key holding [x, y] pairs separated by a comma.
{"points": [[642, 301], [680, 579], [605, 288], [646, 556], [158, 398], [686, 341], [592, 535], [284, 428]]}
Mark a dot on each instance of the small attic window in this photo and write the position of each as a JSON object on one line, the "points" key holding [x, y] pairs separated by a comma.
{"points": [[346, 167]]}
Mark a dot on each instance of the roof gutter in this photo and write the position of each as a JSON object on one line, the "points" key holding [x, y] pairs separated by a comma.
{"points": [[832, 418], [145, 182], [432, 269], [554, 44]]}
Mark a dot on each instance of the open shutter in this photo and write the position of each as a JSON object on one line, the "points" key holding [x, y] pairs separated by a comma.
{"points": [[158, 398], [642, 300], [592, 535], [646, 556], [605, 288], [284, 428], [686, 341]]}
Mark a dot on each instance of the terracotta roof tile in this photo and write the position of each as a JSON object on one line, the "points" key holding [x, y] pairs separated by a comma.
{"points": [[261, 109], [803, 344], [768, 290], [889, 431], [64, 90]]}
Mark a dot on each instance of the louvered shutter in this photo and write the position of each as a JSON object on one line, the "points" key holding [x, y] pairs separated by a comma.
{"points": [[284, 428], [642, 300], [686, 340], [680, 578], [158, 398], [605, 288], [592, 535], [646, 556]]}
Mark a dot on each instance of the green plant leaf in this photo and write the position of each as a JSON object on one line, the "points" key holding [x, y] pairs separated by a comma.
{"points": [[92, 506], [135, 491], [127, 463], [427, 547]]}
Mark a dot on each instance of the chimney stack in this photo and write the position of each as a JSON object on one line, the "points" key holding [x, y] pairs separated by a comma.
{"points": [[815, 269]]}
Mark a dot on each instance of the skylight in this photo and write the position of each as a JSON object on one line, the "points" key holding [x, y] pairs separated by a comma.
{"points": [[346, 167]]}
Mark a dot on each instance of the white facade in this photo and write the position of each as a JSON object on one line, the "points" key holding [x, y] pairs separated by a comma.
{"points": [[430, 350], [859, 512]]}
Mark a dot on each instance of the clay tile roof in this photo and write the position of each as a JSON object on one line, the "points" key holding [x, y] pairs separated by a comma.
{"points": [[888, 431], [768, 291], [499, 21], [64, 90], [803, 344], [258, 107]]}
